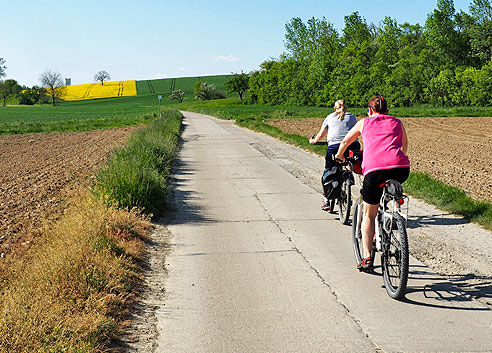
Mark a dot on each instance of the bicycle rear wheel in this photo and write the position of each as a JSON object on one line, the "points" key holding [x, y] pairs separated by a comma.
{"points": [[395, 259], [356, 230], [345, 203]]}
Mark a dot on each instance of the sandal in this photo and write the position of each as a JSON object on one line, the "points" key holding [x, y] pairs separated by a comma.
{"points": [[366, 264], [325, 206]]}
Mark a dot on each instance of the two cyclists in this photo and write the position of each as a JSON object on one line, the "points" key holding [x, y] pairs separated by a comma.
{"points": [[384, 157]]}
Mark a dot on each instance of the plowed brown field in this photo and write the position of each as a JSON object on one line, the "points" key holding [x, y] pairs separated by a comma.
{"points": [[38, 172], [456, 151]]}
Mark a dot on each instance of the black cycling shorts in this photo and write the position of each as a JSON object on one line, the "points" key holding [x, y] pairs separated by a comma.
{"points": [[371, 192]]}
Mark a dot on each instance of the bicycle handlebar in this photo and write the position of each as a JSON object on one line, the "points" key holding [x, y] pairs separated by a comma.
{"points": [[353, 157]]}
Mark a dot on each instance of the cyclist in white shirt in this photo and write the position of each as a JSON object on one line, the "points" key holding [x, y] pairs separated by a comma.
{"points": [[335, 126]]}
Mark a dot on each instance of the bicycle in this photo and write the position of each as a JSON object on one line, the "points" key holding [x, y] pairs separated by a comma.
{"points": [[344, 201], [352, 163], [391, 239]]}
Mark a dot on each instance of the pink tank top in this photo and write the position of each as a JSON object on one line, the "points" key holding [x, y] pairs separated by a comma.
{"points": [[382, 136]]}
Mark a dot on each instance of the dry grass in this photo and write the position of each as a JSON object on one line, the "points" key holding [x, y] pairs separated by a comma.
{"points": [[69, 292]]}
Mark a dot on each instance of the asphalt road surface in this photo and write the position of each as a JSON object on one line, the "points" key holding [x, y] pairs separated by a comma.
{"points": [[253, 265]]}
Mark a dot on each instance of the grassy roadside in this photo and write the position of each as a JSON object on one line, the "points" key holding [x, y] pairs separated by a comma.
{"points": [[71, 291], [136, 175], [420, 185]]}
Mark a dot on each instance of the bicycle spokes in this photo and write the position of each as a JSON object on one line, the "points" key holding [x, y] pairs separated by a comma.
{"points": [[395, 259]]}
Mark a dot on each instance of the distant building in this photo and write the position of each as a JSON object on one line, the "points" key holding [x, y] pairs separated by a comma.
{"points": [[68, 81]]}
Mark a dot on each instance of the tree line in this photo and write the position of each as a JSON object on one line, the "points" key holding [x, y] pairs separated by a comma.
{"points": [[51, 88], [447, 61]]}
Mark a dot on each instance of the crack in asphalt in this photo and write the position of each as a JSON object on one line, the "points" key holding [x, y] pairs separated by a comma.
{"points": [[318, 275]]}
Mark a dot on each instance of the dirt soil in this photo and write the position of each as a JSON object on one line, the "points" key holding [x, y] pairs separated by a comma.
{"points": [[455, 151], [37, 174]]}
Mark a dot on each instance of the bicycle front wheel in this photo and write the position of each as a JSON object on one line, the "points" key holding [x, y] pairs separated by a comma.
{"points": [[356, 230], [395, 259], [345, 203]]}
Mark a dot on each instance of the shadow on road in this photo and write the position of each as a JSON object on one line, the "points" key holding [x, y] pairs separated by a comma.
{"points": [[440, 219], [183, 206], [446, 293], [182, 209]]}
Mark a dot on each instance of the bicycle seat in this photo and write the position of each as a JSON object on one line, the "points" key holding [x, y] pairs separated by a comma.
{"points": [[393, 188]]}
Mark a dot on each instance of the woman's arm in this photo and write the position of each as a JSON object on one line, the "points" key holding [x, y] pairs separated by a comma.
{"points": [[404, 145], [321, 133], [349, 139]]}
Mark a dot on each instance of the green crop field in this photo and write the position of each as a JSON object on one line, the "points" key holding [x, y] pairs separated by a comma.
{"points": [[102, 113], [166, 85], [76, 116]]}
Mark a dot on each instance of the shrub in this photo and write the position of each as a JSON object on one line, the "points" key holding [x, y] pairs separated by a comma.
{"points": [[136, 175], [205, 91], [178, 95]]}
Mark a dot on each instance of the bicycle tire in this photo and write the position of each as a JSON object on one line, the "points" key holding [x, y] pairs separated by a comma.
{"points": [[345, 203], [356, 231], [395, 259]]}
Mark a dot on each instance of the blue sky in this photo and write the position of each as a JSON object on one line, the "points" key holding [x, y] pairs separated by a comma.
{"points": [[146, 39]]}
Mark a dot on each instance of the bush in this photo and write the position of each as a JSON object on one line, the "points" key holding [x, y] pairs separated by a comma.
{"points": [[30, 96], [205, 91], [136, 176], [178, 95]]}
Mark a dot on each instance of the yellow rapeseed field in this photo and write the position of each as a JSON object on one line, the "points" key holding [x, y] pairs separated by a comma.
{"points": [[97, 90]]}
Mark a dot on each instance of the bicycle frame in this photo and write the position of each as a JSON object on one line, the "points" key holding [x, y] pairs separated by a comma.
{"points": [[391, 205]]}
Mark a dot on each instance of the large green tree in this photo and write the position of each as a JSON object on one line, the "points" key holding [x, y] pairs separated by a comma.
{"points": [[351, 78], [8, 88], [238, 82], [445, 37], [481, 30]]}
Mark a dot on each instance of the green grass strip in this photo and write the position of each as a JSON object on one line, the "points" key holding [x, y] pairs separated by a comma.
{"points": [[136, 175], [449, 198]]}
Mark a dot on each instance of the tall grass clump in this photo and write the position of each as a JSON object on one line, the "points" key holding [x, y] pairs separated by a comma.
{"points": [[69, 294], [136, 175]]}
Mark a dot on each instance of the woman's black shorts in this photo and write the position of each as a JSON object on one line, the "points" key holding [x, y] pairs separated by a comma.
{"points": [[371, 192]]}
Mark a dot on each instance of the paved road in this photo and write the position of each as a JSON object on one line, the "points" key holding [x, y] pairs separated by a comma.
{"points": [[256, 266]]}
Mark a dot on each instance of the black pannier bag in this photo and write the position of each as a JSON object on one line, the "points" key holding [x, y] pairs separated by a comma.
{"points": [[332, 180]]}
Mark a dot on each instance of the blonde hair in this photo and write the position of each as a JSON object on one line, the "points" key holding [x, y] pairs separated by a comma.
{"points": [[341, 104]]}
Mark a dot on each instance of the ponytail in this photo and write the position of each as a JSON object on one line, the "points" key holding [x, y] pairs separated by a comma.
{"points": [[378, 104]]}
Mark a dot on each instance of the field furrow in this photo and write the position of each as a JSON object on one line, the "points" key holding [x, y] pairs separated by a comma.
{"points": [[37, 174]]}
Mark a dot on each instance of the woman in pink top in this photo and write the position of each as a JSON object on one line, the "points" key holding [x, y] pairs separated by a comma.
{"points": [[384, 157]]}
